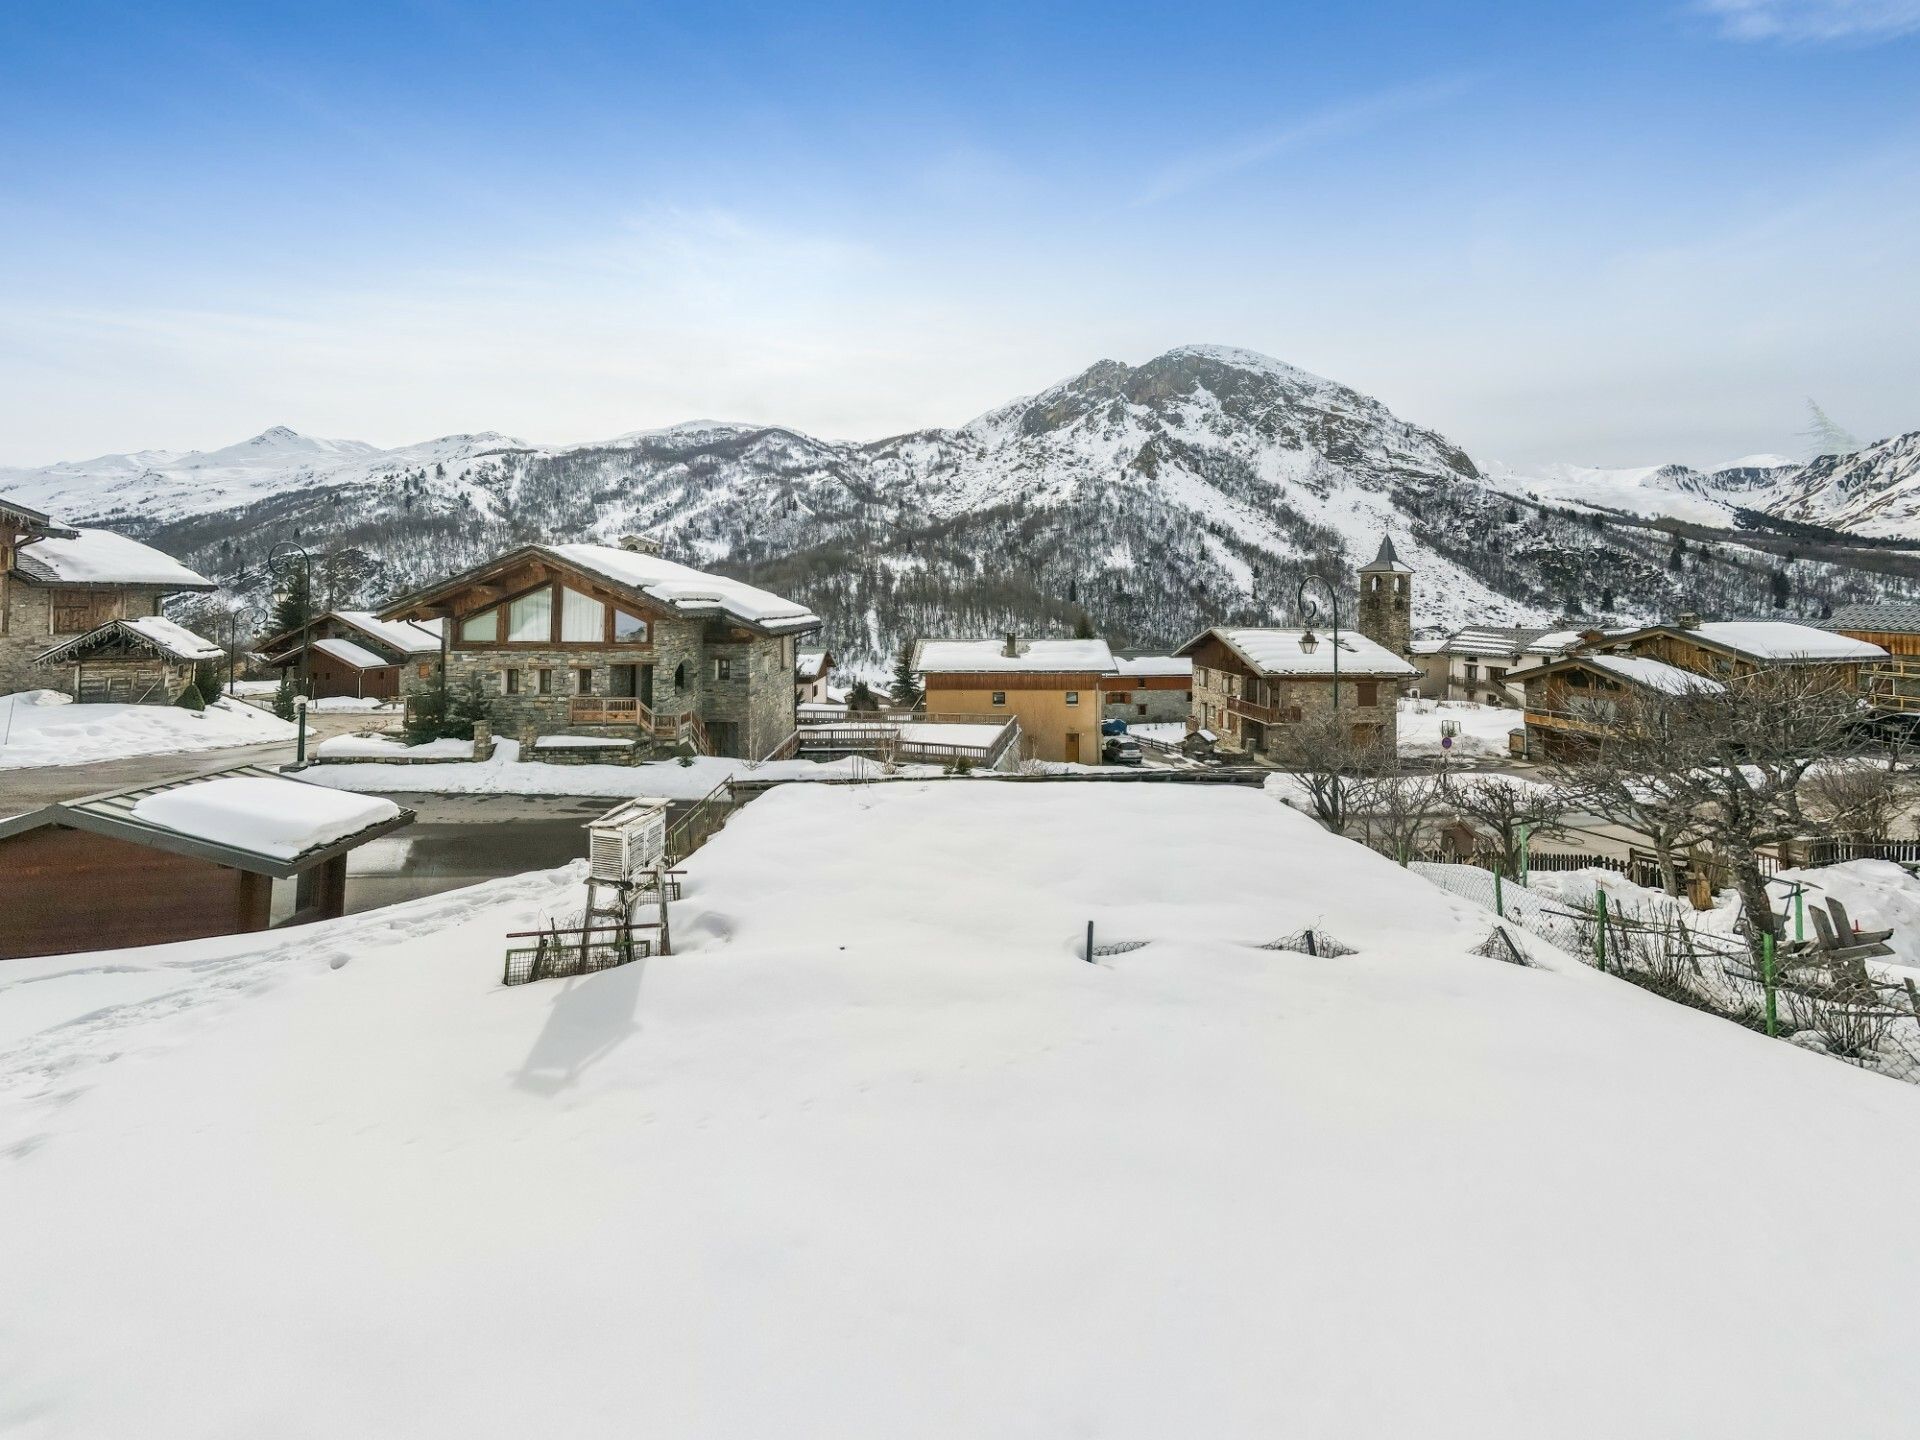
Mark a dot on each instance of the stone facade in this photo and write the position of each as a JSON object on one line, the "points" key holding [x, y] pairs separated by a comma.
{"points": [[1220, 705], [1139, 702], [1386, 608], [748, 710], [35, 618]]}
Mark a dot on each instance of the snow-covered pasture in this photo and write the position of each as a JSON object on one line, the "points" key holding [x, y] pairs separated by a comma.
{"points": [[44, 727], [1483, 729], [876, 1153]]}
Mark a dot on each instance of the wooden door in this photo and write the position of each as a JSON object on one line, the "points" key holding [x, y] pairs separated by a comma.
{"points": [[621, 681], [646, 686], [1073, 746]]}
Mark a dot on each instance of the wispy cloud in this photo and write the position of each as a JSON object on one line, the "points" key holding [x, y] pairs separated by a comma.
{"points": [[1352, 117], [1854, 21]]}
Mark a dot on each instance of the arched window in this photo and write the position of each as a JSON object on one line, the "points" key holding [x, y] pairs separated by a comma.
{"points": [[680, 676]]}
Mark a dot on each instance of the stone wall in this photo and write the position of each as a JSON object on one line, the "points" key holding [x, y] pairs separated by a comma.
{"points": [[1214, 706], [28, 630]]}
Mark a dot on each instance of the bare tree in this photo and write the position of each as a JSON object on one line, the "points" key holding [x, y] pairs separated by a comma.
{"points": [[1336, 766], [1506, 810], [1625, 781], [1737, 753], [1862, 796], [1399, 807]]}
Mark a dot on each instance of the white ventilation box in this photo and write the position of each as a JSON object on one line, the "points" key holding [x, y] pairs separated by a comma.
{"points": [[627, 840]]}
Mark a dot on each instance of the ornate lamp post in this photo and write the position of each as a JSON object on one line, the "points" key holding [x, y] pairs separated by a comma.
{"points": [[1310, 611]]}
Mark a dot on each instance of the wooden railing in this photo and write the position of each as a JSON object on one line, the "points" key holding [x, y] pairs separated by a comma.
{"points": [[610, 710], [693, 829]]}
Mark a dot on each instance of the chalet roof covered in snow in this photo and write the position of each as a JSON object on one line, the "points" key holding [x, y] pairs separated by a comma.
{"points": [[1493, 640], [811, 664], [348, 653], [1279, 652], [1641, 671], [1782, 642], [100, 557], [154, 633], [249, 818], [408, 637], [989, 657], [667, 584], [1144, 667]]}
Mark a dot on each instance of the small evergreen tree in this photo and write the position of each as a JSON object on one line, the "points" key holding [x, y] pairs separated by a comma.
{"points": [[1782, 589], [189, 698], [1082, 626], [464, 706], [426, 715], [206, 679], [861, 697], [293, 606], [905, 691], [283, 695]]}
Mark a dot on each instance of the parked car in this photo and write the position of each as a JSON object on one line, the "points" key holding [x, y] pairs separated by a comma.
{"points": [[1113, 727], [1121, 750]]}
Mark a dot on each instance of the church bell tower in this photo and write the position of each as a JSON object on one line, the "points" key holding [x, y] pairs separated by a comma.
{"points": [[1386, 600]]}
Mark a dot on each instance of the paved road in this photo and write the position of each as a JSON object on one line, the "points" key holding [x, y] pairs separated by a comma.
{"points": [[45, 784]]}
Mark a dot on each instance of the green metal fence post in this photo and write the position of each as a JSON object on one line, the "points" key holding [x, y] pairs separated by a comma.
{"points": [[1766, 979], [1499, 897], [1799, 913], [1600, 932], [1526, 834]]}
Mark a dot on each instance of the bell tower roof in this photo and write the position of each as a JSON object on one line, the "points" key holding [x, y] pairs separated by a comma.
{"points": [[1387, 560]]}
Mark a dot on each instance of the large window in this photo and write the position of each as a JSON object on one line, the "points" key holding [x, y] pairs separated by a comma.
{"points": [[530, 618], [629, 629], [582, 617], [483, 628]]}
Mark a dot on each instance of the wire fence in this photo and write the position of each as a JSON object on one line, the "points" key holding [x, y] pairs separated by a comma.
{"points": [[1864, 1018]]}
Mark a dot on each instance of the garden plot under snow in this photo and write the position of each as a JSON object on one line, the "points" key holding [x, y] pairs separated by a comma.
{"points": [[877, 1154], [44, 727]]}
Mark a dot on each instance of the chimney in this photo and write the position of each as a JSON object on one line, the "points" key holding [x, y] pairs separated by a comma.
{"points": [[1688, 621], [1012, 648], [640, 544]]}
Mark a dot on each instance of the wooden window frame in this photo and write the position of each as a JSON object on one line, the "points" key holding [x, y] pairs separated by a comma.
{"points": [[556, 612], [510, 680]]}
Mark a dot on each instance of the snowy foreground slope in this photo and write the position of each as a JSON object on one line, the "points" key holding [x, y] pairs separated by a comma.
{"points": [[878, 1155]]}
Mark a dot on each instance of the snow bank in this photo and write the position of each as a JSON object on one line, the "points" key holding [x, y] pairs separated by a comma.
{"points": [[40, 727], [878, 1154], [1483, 728], [276, 818], [386, 747]]}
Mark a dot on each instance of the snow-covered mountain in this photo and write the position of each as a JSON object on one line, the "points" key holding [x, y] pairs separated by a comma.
{"points": [[1198, 487], [1712, 496], [1875, 491]]}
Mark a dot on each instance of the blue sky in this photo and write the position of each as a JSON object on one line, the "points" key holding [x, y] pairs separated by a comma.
{"points": [[1603, 233]]}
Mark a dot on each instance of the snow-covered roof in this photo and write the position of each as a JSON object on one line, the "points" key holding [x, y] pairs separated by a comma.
{"points": [[1492, 640], [248, 817], [1140, 667], [280, 819], [408, 637], [809, 664], [681, 587], [100, 557], [154, 632], [1278, 652], [1555, 642], [358, 656], [1782, 640], [989, 657], [1651, 674]]}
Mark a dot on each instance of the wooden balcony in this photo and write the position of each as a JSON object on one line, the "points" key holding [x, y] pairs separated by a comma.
{"points": [[610, 710]]}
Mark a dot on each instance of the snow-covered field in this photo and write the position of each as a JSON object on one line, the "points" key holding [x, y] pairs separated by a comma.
{"points": [[506, 774], [1483, 728], [876, 1154], [44, 727]]}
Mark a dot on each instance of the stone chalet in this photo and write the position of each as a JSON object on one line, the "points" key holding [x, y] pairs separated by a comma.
{"points": [[57, 584], [617, 641], [1251, 685]]}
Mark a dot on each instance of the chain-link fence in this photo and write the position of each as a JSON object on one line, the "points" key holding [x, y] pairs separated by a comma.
{"points": [[1656, 944]]}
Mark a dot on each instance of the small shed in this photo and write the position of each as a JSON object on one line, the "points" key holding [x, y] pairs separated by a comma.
{"points": [[225, 854], [147, 660]]}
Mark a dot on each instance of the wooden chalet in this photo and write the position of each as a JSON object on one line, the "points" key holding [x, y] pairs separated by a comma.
{"points": [[355, 653], [242, 850], [148, 660], [1575, 700], [1893, 684], [602, 639]]}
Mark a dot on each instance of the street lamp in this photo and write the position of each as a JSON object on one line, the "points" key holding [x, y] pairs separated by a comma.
{"points": [[1310, 610]]}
